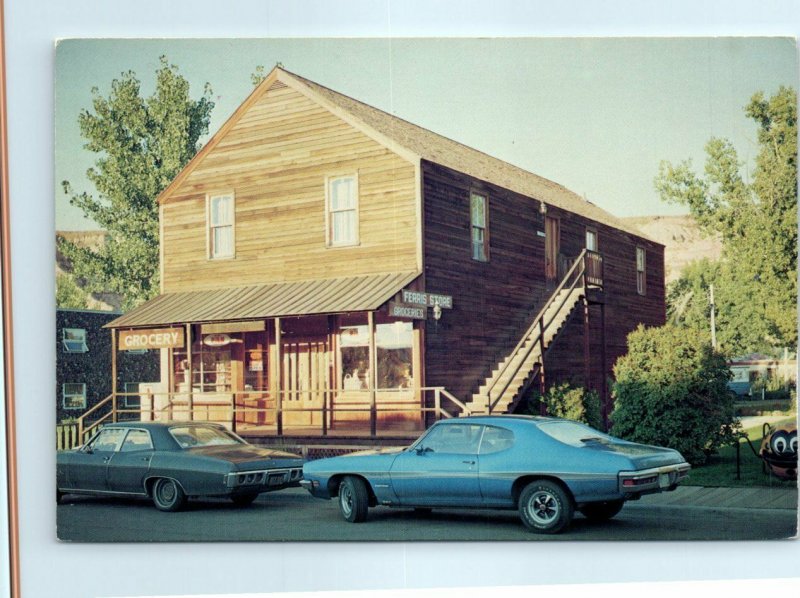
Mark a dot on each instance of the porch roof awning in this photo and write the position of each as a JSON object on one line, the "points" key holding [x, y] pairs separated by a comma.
{"points": [[319, 296]]}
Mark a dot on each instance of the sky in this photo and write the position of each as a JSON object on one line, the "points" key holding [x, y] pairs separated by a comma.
{"points": [[596, 115]]}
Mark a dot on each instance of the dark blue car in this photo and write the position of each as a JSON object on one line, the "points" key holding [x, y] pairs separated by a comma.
{"points": [[171, 462], [546, 468]]}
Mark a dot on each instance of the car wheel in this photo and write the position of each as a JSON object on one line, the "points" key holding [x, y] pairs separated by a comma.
{"points": [[602, 511], [168, 495], [243, 500], [545, 507], [353, 499]]}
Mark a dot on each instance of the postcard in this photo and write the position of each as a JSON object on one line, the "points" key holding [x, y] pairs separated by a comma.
{"points": [[426, 289]]}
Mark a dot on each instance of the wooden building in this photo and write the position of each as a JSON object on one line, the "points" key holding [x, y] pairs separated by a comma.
{"points": [[328, 269]]}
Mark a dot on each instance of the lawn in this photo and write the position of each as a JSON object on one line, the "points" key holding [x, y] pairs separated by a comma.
{"points": [[720, 469]]}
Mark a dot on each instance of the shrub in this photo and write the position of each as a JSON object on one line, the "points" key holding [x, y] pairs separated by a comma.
{"points": [[570, 402], [671, 390]]}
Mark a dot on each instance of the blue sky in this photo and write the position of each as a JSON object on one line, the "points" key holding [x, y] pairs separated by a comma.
{"points": [[594, 114]]}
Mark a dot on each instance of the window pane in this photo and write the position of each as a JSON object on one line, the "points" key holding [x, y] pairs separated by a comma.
{"points": [[478, 251], [394, 342], [221, 210], [591, 240], [640, 259], [75, 340], [478, 211], [344, 227], [454, 438], [354, 349], [496, 440], [108, 440], [136, 440], [342, 194], [223, 241]]}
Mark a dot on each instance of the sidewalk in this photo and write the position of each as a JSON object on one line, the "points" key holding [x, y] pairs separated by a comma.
{"points": [[728, 498]]}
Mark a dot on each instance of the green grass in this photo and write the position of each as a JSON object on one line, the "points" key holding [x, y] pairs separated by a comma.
{"points": [[720, 469]]}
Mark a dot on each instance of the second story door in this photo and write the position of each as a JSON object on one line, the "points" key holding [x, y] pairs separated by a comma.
{"points": [[551, 246]]}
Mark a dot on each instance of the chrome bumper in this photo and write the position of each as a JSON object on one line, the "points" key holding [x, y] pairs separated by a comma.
{"points": [[656, 479]]}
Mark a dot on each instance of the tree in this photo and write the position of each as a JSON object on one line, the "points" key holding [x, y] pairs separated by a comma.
{"points": [[671, 390], [142, 144], [569, 402], [68, 294], [757, 219]]}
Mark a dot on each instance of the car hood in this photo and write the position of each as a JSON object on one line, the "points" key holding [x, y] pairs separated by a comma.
{"points": [[247, 455], [642, 456]]}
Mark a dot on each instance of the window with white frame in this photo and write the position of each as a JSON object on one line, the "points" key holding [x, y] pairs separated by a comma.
{"points": [[342, 207], [220, 226], [74, 340], [478, 224], [74, 395], [641, 275]]}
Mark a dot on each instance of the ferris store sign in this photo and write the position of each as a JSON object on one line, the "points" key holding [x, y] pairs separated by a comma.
{"points": [[158, 338]]}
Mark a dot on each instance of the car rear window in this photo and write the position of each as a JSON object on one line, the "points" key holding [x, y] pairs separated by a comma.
{"points": [[192, 436], [572, 432]]}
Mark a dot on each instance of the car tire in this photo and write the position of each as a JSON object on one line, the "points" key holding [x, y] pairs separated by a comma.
{"points": [[602, 511], [353, 499], [168, 495], [545, 508], [244, 500]]}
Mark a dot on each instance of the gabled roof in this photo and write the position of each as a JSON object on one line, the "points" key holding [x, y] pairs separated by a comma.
{"points": [[416, 143]]}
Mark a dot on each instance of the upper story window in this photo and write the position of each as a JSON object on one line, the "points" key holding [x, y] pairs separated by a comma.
{"points": [[479, 219], [74, 340], [220, 226], [641, 272], [342, 211], [591, 239], [73, 395]]}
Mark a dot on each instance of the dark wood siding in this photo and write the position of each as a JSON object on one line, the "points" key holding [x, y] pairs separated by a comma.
{"points": [[494, 301]]}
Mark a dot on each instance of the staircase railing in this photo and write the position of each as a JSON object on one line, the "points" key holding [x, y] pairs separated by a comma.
{"points": [[576, 274], [85, 430]]}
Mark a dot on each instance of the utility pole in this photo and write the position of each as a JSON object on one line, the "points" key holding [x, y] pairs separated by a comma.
{"points": [[713, 316]]}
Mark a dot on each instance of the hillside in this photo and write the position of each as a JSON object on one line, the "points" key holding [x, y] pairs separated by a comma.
{"points": [[683, 240]]}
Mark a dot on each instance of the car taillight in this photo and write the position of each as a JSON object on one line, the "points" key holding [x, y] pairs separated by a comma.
{"points": [[633, 482]]}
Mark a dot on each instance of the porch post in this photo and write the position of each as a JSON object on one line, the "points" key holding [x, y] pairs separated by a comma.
{"points": [[373, 377], [190, 397], [113, 374], [278, 385]]}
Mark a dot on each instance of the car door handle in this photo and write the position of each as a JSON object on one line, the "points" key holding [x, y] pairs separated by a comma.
{"points": [[469, 462]]}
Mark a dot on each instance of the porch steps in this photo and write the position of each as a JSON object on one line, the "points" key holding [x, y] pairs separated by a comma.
{"points": [[509, 379]]}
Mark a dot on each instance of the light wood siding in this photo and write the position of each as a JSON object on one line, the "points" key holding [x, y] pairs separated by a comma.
{"points": [[275, 160]]}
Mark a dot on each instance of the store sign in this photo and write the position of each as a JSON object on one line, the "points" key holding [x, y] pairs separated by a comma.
{"points": [[427, 299], [399, 310], [216, 340], [222, 327], [157, 338]]}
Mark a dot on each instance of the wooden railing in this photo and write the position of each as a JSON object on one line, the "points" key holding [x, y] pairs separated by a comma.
{"points": [[364, 409], [586, 270]]}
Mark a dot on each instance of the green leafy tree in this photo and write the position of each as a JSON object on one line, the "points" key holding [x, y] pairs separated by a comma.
{"points": [[141, 145], [68, 294], [569, 402], [671, 390], [757, 220]]}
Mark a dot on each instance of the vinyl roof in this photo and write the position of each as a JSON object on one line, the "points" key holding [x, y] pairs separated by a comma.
{"points": [[318, 296]]}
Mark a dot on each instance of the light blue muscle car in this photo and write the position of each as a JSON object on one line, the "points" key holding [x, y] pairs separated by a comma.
{"points": [[544, 467]]}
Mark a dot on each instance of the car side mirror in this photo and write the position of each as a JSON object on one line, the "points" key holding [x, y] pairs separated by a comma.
{"points": [[421, 450], [87, 449]]}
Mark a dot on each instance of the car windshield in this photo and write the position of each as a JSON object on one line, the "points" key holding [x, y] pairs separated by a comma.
{"points": [[573, 433], [193, 436]]}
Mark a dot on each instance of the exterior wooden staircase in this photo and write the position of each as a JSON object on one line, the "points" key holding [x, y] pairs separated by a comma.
{"points": [[513, 376]]}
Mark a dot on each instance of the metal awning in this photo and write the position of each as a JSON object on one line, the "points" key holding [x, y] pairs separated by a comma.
{"points": [[319, 296]]}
